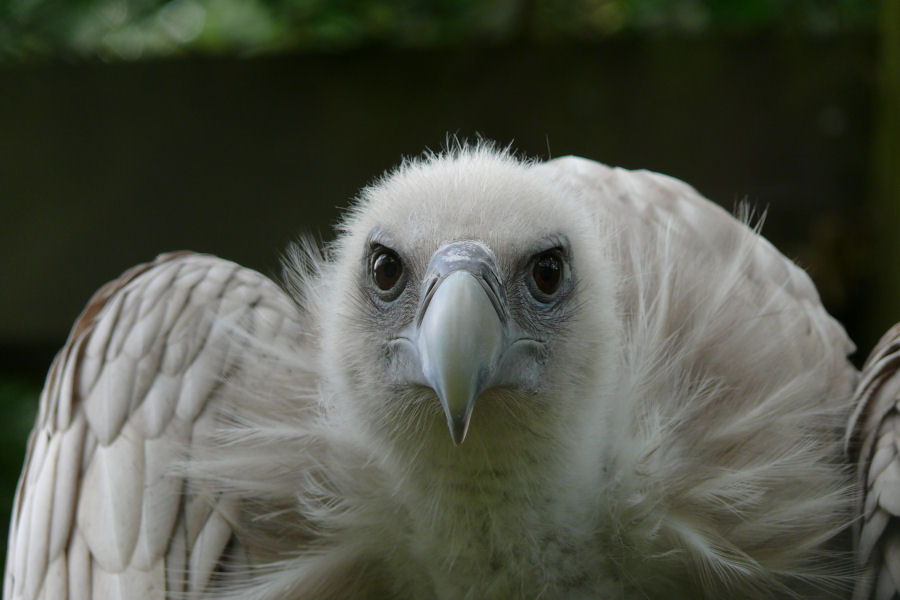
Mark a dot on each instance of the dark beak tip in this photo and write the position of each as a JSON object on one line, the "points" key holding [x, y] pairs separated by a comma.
{"points": [[459, 428]]}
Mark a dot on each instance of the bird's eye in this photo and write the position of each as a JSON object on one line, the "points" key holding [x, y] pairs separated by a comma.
{"points": [[386, 269], [547, 274]]}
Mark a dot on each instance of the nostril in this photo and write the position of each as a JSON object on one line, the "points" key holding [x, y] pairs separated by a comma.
{"points": [[426, 298], [430, 287], [493, 290]]}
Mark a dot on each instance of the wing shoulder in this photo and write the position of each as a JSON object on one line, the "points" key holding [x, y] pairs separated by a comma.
{"points": [[663, 225], [654, 203], [99, 511]]}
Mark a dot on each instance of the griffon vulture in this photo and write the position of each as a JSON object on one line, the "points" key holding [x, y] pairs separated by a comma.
{"points": [[644, 400]]}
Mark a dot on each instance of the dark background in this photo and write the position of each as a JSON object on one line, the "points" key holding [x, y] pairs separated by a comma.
{"points": [[106, 164], [103, 166]]}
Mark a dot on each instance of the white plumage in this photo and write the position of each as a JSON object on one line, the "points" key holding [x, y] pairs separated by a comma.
{"points": [[645, 399]]}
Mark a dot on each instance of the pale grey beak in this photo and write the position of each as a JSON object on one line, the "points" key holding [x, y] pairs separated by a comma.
{"points": [[462, 333]]}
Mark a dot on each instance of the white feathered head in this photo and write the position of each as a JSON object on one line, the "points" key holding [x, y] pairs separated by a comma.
{"points": [[472, 288]]}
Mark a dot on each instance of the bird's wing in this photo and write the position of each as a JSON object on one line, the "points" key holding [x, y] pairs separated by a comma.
{"points": [[874, 440], [661, 202], [648, 205], [100, 512]]}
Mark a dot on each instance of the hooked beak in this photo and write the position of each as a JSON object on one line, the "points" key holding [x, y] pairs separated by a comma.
{"points": [[460, 342], [462, 332], [463, 340]]}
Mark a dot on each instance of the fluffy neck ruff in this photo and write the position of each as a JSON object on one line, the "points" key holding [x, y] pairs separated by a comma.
{"points": [[503, 513]]}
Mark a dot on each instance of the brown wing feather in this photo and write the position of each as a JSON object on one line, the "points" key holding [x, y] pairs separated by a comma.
{"points": [[874, 441], [99, 511]]}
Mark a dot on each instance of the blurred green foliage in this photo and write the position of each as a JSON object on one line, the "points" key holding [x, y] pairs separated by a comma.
{"points": [[18, 401], [133, 29]]}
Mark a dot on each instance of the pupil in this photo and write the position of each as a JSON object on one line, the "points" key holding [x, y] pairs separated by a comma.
{"points": [[547, 273], [387, 271]]}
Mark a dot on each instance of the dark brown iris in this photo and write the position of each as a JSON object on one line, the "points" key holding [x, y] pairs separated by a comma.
{"points": [[386, 269], [548, 273]]}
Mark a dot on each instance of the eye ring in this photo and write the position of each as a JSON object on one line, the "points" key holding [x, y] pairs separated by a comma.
{"points": [[547, 275], [387, 272]]}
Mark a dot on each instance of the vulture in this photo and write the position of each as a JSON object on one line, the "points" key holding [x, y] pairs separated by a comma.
{"points": [[503, 379]]}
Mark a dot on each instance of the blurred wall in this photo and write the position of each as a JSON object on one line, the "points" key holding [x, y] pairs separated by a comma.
{"points": [[104, 166]]}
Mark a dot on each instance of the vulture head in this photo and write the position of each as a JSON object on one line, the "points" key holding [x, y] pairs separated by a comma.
{"points": [[470, 294]]}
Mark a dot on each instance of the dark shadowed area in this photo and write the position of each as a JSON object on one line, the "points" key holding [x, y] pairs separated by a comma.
{"points": [[106, 162]]}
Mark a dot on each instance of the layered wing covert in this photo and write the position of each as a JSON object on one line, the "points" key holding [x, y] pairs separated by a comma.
{"points": [[874, 439], [101, 511]]}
